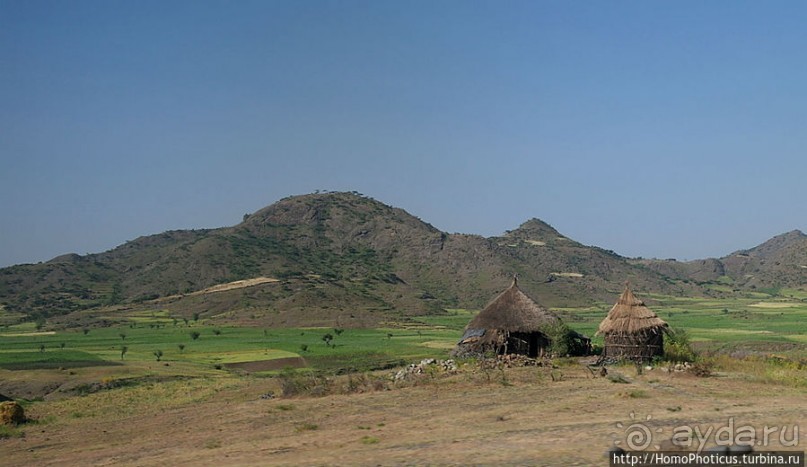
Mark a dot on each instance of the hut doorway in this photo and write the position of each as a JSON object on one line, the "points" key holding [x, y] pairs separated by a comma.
{"points": [[532, 344]]}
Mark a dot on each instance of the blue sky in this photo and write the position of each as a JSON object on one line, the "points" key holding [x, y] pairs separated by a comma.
{"points": [[656, 129]]}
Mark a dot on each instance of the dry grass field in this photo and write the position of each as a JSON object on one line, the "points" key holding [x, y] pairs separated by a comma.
{"points": [[536, 416]]}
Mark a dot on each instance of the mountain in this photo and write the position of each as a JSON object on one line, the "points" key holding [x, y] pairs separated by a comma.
{"points": [[329, 259], [780, 262]]}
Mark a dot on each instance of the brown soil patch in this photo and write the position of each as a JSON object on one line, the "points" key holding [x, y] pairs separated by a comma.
{"points": [[531, 420], [236, 285]]}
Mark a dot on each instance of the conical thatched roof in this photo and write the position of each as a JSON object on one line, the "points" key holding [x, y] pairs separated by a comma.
{"points": [[513, 311], [630, 316]]}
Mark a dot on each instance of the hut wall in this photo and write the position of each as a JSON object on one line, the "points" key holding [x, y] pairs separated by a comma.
{"points": [[639, 348], [532, 344]]}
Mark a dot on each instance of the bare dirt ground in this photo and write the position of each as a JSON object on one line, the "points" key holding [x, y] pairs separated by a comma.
{"points": [[462, 419]]}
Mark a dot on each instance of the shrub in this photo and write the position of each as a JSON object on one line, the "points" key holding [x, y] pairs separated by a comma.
{"points": [[677, 347], [702, 368], [306, 427], [328, 337], [293, 383]]}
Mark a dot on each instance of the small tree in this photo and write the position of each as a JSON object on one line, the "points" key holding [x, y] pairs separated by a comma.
{"points": [[181, 347], [61, 346], [195, 335], [122, 336], [328, 337], [304, 347], [217, 332], [85, 331], [41, 347], [195, 317], [158, 354], [123, 351]]}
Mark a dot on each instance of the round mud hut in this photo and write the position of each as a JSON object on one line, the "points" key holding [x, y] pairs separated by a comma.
{"points": [[632, 331], [512, 323]]}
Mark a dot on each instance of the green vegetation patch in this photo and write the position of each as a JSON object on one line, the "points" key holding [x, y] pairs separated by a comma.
{"points": [[50, 359]]}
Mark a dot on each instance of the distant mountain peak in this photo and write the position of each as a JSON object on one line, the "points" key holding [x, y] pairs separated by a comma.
{"points": [[779, 242], [535, 229], [312, 208]]}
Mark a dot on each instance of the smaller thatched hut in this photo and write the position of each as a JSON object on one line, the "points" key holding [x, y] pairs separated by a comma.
{"points": [[513, 323], [631, 330]]}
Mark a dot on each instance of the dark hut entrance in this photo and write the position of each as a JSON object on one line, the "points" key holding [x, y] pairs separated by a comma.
{"points": [[532, 344]]}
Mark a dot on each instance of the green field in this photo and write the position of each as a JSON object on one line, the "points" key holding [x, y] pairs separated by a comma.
{"points": [[773, 325], [359, 349]]}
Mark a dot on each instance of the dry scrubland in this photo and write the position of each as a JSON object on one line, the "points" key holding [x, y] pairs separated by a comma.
{"points": [[528, 415]]}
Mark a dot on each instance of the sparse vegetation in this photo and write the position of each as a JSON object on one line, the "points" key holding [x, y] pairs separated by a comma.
{"points": [[10, 432], [306, 427]]}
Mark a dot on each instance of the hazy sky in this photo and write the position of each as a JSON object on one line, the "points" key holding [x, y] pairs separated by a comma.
{"points": [[656, 129]]}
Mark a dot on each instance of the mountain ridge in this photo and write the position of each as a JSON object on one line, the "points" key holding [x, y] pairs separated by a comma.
{"points": [[344, 256]]}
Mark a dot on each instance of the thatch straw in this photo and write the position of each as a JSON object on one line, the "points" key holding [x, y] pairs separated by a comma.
{"points": [[630, 316], [513, 311]]}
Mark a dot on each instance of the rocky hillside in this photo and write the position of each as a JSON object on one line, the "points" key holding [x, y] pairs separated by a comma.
{"points": [[780, 262], [326, 257]]}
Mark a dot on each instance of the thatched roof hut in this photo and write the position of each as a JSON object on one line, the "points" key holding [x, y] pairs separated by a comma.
{"points": [[512, 323], [631, 330]]}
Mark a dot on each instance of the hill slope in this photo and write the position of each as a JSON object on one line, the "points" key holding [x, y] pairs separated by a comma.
{"points": [[337, 257], [780, 262]]}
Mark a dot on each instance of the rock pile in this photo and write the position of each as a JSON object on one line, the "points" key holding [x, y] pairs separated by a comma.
{"points": [[678, 367], [446, 366]]}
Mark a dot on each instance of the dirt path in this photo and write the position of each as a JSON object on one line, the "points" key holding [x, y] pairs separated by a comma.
{"points": [[531, 421]]}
